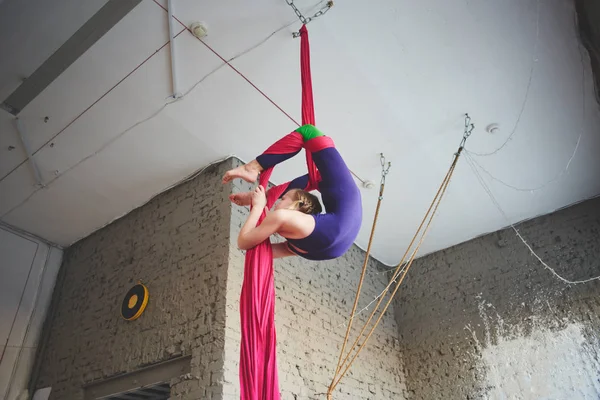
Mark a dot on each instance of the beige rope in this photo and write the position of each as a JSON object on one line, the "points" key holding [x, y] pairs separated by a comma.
{"points": [[434, 206]]}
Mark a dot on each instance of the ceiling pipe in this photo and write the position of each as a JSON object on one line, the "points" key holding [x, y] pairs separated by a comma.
{"points": [[36, 171], [176, 93]]}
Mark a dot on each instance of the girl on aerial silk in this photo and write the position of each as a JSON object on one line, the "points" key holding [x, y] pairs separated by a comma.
{"points": [[298, 216]]}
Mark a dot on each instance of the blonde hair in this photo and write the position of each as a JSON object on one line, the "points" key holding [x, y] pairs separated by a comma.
{"points": [[305, 202]]}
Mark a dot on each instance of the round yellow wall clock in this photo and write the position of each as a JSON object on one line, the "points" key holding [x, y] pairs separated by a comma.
{"points": [[135, 302]]}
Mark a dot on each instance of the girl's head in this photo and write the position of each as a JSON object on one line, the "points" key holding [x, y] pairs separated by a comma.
{"points": [[300, 200]]}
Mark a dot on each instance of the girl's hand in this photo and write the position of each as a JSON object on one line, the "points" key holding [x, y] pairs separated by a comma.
{"points": [[259, 198]]}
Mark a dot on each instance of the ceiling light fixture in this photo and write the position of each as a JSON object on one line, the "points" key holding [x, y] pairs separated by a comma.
{"points": [[492, 128], [199, 29]]}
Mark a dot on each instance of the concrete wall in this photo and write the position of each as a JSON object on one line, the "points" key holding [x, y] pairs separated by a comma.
{"points": [[177, 246], [29, 267], [484, 320], [182, 245]]}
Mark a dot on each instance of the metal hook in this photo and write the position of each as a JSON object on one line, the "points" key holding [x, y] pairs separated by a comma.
{"points": [[469, 127], [384, 170]]}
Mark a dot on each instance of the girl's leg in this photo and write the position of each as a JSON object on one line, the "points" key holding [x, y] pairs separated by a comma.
{"points": [[285, 148], [337, 186], [338, 189], [248, 172]]}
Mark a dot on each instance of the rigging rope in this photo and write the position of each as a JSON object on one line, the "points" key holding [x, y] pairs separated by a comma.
{"points": [[401, 271]]}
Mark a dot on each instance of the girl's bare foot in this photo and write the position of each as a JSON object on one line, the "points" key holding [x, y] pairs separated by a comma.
{"points": [[241, 199], [248, 172]]}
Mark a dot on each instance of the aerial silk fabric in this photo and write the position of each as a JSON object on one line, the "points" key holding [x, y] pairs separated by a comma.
{"points": [[258, 362]]}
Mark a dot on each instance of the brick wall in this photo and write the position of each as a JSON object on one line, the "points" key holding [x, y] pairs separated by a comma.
{"points": [[177, 246], [182, 245], [478, 320], [485, 320]]}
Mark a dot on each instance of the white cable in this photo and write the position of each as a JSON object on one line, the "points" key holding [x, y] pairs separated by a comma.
{"points": [[237, 56], [561, 173], [533, 62], [490, 194], [572, 155], [47, 184]]}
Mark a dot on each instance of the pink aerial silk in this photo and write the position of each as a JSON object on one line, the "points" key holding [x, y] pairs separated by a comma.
{"points": [[258, 358]]}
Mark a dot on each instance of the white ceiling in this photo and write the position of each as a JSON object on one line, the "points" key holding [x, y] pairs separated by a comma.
{"points": [[392, 76]]}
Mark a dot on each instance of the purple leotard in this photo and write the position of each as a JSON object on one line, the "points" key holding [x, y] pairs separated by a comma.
{"points": [[336, 229]]}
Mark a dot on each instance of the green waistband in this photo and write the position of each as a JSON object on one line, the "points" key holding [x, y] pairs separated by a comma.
{"points": [[309, 132]]}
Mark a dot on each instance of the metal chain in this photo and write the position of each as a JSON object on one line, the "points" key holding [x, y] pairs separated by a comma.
{"points": [[322, 11], [306, 20], [298, 13]]}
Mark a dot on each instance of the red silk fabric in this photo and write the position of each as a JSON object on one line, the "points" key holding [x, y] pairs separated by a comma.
{"points": [[258, 362]]}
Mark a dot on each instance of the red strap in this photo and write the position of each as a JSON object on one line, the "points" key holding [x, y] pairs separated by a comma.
{"points": [[308, 108], [258, 354], [318, 143], [308, 117]]}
